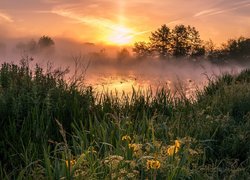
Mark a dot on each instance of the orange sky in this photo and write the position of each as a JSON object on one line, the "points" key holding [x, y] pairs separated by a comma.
{"points": [[109, 21]]}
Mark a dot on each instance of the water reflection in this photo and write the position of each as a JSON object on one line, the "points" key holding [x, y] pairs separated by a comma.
{"points": [[183, 77], [126, 83]]}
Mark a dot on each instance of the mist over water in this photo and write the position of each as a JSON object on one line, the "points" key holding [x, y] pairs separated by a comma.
{"points": [[175, 75], [106, 69]]}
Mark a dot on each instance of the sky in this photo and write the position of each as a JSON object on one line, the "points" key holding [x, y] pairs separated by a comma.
{"points": [[122, 21]]}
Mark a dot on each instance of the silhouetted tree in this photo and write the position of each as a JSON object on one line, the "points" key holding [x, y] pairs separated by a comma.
{"points": [[234, 50], [209, 47], [182, 41], [160, 41], [239, 48], [123, 54], [186, 42], [45, 41], [29, 47], [142, 49], [213, 54]]}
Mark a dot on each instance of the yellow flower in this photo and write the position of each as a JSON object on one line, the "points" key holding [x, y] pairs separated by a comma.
{"points": [[132, 146], [174, 148], [136, 148], [126, 138], [153, 164], [70, 163], [177, 144]]}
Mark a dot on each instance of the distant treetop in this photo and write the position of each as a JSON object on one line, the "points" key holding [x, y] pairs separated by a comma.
{"points": [[45, 41]]}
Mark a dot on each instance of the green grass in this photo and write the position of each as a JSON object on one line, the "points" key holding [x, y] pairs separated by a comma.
{"points": [[51, 129]]}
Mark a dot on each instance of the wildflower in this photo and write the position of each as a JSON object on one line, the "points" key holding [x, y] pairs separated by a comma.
{"points": [[136, 148], [126, 138], [70, 163], [174, 148], [153, 164], [177, 144]]}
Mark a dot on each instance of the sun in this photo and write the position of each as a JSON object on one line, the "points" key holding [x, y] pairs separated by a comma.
{"points": [[120, 35]]}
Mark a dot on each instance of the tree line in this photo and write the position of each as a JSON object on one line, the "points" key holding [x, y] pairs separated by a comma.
{"points": [[165, 43], [185, 42], [43, 43]]}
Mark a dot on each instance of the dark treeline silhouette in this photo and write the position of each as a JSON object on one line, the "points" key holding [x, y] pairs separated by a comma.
{"points": [[234, 50], [32, 47], [185, 42]]}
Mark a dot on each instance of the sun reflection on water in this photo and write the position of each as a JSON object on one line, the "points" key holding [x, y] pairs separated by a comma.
{"points": [[123, 83]]}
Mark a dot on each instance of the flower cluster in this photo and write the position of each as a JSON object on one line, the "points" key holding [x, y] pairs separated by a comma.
{"points": [[153, 164]]}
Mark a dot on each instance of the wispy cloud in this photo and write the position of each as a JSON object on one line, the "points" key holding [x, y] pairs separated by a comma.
{"points": [[83, 19], [205, 12], [95, 21], [5, 17], [241, 2], [215, 11], [178, 21]]}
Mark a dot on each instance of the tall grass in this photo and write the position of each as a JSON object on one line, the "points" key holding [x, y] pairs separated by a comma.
{"points": [[51, 129]]}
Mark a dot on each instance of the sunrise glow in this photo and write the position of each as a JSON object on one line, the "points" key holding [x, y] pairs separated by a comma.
{"points": [[119, 22], [120, 35]]}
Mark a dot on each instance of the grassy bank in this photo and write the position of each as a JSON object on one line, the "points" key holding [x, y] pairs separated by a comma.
{"points": [[51, 129]]}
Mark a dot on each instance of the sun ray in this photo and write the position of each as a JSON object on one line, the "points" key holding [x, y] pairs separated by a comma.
{"points": [[120, 35]]}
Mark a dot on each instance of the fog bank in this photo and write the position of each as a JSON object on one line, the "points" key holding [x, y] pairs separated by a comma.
{"points": [[115, 67]]}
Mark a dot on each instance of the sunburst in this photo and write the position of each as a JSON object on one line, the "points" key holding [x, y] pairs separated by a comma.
{"points": [[120, 35]]}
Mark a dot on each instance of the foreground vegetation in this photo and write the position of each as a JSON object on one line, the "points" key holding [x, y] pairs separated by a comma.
{"points": [[51, 129]]}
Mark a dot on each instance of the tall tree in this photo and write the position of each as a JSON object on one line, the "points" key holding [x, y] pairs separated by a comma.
{"points": [[142, 49], [160, 41], [186, 42], [239, 48], [182, 41], [234, 49]]}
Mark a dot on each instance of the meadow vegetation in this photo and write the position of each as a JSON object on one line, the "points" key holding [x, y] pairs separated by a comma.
{"points": [[51, 129]]}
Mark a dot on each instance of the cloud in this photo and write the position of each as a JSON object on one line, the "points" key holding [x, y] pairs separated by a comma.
{"points": [[215, 11], [204, 12], [83, 19], [241, 2], [94, 21], [5, 17], [178, 21]]}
